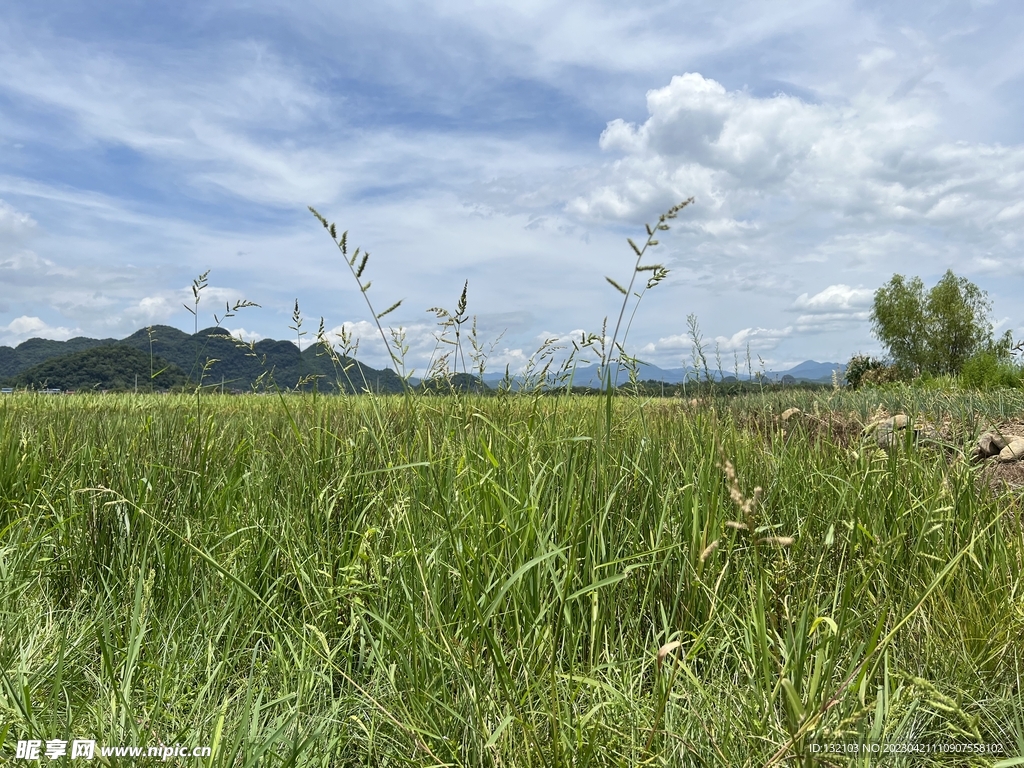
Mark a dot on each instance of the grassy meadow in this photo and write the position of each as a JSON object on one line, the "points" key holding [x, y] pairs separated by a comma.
{"points": [[516, 580]]}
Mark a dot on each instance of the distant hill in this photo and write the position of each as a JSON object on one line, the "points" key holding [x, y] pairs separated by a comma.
{"points": [[113, 366], [236, 366], [810, 370], [240, 367], [587, 376], [36, 351]]}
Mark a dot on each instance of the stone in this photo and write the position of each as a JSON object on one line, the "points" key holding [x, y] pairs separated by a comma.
{"points": [[926, 434], [989, 444], [884, 429], [1014, 450]]}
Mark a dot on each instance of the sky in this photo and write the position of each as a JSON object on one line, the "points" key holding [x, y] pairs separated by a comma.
{"points": [[516, 146]]}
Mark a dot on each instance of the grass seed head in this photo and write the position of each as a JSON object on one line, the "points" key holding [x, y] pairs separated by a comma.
{"points": [[666, 649], [709, 550], [782, 541]]}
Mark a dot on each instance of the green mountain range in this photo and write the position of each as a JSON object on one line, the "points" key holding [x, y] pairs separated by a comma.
{"points": [[210, 355]]}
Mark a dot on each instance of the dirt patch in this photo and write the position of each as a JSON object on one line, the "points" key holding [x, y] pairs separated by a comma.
{"points": [[1011, 474], [1010, 428], [1004, 477]]}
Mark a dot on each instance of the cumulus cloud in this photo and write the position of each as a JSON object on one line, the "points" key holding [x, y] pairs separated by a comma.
{"points": [[14, 224], [836, 298], [153, 310], [424, 347], [24, 266], [419, 338], [864, 141], [756, 339], [867, 160], [26, 327], [832, 307], [246, 335]]}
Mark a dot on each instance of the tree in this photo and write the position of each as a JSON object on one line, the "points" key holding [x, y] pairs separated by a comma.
{"points": [[958, 324], [898, 321], [934, 332]]}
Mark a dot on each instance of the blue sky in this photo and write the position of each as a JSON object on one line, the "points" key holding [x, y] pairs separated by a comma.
{"points": [[516, 145]]}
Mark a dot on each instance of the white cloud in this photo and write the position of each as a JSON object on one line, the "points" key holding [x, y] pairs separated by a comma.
{"points": [[758, 340], [876, 57], [418, 337], [514, 359], [24, 265], [836, 299], [246, 335], [25, 327], [14, 224], [865, 160], [832, 307], [153, 310], [827, 145]]}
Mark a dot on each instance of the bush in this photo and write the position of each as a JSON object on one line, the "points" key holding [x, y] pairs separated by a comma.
{"points": [[943, 383], [858, 367], [884, 374], [988, 370]]}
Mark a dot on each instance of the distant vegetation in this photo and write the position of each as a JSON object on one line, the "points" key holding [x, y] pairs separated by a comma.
{"points": [[103, 368], [14, 360], [236, 367]]}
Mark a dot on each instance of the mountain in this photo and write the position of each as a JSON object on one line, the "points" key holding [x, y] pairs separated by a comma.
{"points": [[241, 366], [587, 376], [811, 370], [213, 356], [112, 366]]}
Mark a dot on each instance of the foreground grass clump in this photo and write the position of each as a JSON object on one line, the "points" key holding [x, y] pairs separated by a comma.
{"points": [[499, 581]]}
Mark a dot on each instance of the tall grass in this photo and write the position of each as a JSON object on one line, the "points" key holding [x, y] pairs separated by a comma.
{"points": [[497, 581]]}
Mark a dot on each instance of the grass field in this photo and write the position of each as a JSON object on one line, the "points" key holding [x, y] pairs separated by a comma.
{"points": [[504, 581]]}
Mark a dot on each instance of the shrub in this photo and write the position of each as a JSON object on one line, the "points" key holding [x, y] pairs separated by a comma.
{"points": [[858, 366], [989, 370], [883, 374]]}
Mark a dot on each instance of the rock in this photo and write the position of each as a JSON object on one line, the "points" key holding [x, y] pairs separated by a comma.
{"points": [[926, 434], [1014, 450], [789, 413], [899, 421], [989, 444], [884, 430]]}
